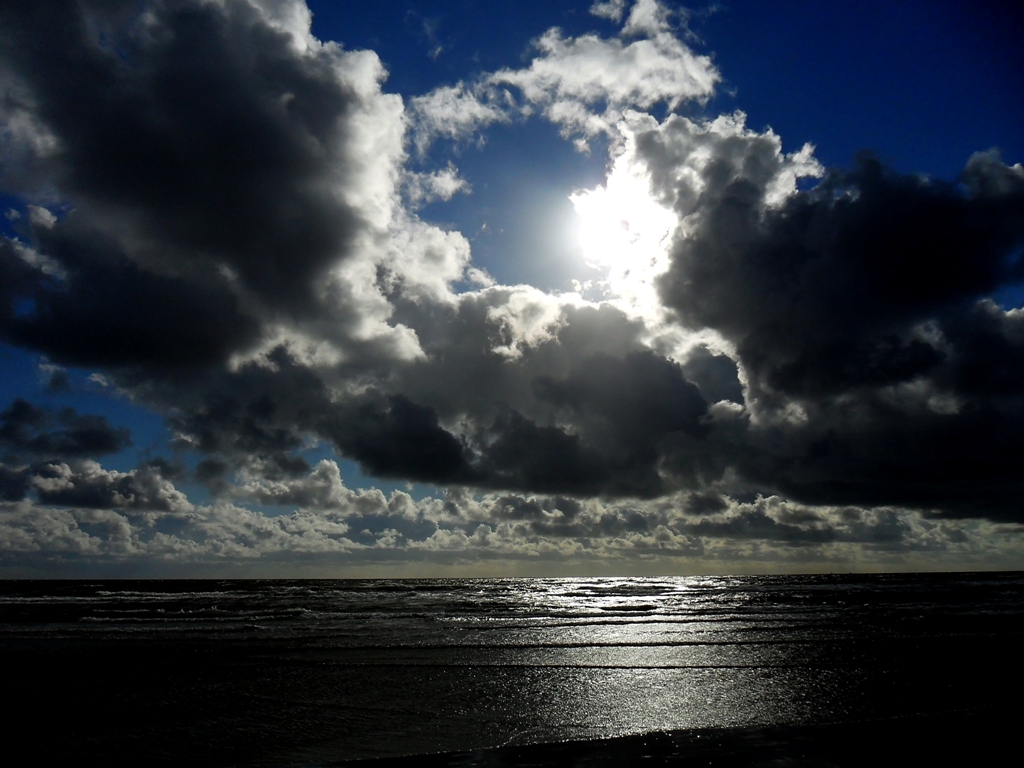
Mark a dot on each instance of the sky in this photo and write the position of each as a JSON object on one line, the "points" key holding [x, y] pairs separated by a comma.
{"points": [[532, 288]]}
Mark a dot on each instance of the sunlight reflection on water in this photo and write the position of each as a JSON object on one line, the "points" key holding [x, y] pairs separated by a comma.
{"points": [[636, 655], [354, 669]]}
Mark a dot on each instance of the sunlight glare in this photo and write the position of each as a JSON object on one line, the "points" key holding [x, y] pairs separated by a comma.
{"points": [[623, 230]]}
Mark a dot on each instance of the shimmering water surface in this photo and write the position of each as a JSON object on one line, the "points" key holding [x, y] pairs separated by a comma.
{"points": [[284, 672]]}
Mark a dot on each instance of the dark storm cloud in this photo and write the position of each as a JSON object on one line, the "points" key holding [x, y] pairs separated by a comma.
{"points": [[259, 417], [171, 470], [394, 437], [14, 483], [626, 414], [629, 409], [796, 527], [57, 382], [601, 426], [28, 429], [29, 434], [204, 164], [876, 369], [109, 311], [755, 524], [195, 150], [715, 375], [214, 474], [771, 520], [511, 507], [525, 455], [705, 504], [823, 294], [463, 373], [588, 410]]}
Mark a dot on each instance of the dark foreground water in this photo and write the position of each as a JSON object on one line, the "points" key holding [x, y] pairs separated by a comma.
{"points": [[820, 669]]}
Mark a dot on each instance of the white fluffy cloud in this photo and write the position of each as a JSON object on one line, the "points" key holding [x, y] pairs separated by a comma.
{"points": [[582, 84], [456, 111], [685, 532], [612, 9]]}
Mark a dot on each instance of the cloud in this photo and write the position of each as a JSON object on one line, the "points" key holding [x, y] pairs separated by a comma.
{"points": [[56, 378], [14, 483], [394, 437], [321, 489], [582, 84], [366, 528], [647, 17], [218, 163], [715, 375], [25, 429], [441, 185], [612, 10], [456, 111], [87, 484], [858, 312], [222, 222]]}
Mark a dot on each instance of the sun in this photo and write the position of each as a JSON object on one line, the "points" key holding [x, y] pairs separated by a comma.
{"points": [[624, 231]]}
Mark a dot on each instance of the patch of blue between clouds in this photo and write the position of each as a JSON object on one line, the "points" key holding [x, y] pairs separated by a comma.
{"points": [[518, 216], [923, 84], [26, 376]]}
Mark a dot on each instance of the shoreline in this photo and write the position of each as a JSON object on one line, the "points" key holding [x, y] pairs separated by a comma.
{"points": [[959, 737]]}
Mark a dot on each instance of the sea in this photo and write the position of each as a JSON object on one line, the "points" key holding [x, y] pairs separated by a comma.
{"points": [[715, 670]]}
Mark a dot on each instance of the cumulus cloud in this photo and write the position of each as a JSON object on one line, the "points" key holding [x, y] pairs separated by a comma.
{"points": [[683, 532], [218, 163], [582, 84], [440, 185], [222, 222], [87, 484], [858, 312], [26, 429]]}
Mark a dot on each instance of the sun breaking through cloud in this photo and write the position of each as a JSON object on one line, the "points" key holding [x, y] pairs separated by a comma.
{"points": [[224, 220]]}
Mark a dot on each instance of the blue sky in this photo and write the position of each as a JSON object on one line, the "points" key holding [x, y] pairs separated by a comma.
{"points": [[924, 84], [510, 288]]}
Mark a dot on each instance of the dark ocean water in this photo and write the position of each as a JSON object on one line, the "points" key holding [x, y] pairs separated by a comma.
{"points": [[299, 672]]}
